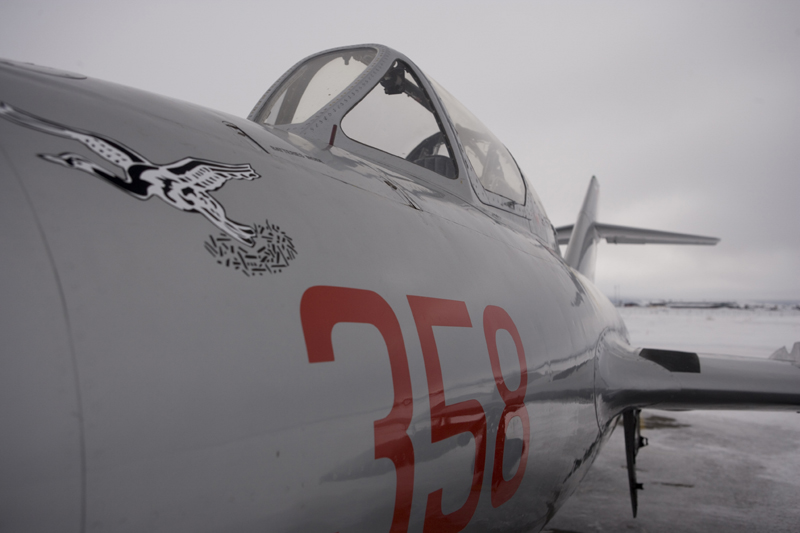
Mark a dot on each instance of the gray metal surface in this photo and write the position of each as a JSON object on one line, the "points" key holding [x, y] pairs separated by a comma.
{"points": [[627, 235], [170, 274]]}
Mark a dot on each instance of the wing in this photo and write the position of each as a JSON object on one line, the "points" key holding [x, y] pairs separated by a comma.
{"points": [[635, 378], [629, 379]]}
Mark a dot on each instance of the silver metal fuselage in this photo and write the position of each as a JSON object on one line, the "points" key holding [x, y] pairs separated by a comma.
{"points": [[146, 385]]}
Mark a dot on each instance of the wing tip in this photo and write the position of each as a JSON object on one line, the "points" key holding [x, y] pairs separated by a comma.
{"points": [[782, 354]]}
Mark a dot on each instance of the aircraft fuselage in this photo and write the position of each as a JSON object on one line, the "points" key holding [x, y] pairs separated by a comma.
{"points": [[384, 356]]}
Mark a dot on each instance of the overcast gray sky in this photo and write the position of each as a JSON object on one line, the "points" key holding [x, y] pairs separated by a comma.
{"points": [[687, 112]]}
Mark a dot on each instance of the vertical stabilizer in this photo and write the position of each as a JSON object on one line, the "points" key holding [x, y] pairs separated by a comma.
{"points": [[582, 248], [582, 238]]}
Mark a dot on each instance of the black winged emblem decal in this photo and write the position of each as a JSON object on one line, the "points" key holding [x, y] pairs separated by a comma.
{"points": [[184, 184]]}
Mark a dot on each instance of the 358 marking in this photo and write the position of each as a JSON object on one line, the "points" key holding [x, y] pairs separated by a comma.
{"points": [[322, 307]]}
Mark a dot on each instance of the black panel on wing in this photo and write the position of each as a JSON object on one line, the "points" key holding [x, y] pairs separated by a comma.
{"points": [[673, 361]]}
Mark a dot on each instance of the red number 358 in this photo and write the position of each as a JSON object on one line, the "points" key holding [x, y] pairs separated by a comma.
{"points": [[321, 308]]}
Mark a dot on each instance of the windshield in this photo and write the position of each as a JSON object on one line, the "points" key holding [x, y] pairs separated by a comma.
{"points": [[397, 117], [318, 81], [495, 167]]}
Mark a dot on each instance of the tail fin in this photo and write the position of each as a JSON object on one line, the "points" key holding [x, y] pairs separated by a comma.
{"points": [[582, 238], [582, 245]]}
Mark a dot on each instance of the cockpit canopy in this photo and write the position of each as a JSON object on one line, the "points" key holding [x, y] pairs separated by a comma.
{"points": [[377, 98], [312, 85]]}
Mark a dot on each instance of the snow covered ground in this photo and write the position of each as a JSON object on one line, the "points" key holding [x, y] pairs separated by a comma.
{"points": [[703, 470], [753, 332]]}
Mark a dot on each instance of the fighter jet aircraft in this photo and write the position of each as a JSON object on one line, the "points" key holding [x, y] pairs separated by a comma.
{"points": [[348, 312]]}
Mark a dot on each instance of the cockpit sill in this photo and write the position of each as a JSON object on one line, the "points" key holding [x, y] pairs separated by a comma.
{"points": [[347, 99]]}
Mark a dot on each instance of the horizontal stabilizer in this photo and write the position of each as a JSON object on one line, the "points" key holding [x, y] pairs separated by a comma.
{"points": [[582, 237], [627, 235]]}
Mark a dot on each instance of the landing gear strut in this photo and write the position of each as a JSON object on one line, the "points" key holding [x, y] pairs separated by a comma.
{"points": [[633, 441]]}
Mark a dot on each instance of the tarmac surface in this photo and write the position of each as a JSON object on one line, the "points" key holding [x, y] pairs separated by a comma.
{"points": [[703, 471]]}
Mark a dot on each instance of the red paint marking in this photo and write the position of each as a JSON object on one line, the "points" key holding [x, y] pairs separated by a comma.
{"points": [[495, 319], [333, 135], [448, 420], [323, 307]]}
